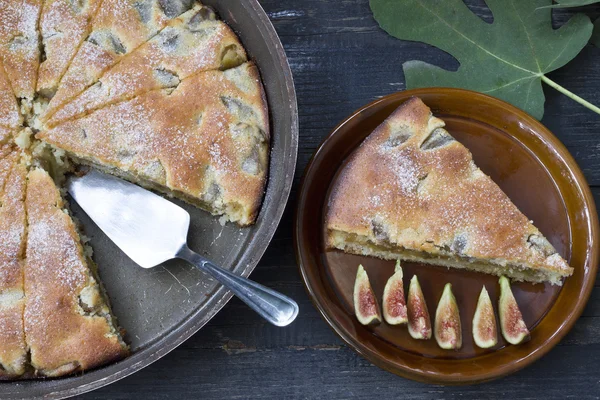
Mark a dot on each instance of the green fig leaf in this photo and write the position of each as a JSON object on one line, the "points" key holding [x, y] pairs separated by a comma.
{"points": [[571, 3], [507, 59]]}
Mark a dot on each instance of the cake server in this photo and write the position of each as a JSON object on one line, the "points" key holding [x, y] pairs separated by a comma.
{"points": [[152, 230]]}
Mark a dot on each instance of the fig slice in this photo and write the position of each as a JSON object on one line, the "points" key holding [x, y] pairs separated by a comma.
{"points": [[419, 322], [485, 332], [394, 304], [365, 303], [512, 325], [448, 332]]}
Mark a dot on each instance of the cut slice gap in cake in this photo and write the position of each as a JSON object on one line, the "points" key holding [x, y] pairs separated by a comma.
{"points": [[195, 41], [206, 141], [412, 192], [68, 323], [118, 28]]}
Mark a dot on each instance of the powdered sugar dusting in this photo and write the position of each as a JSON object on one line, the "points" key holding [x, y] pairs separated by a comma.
{"points": [[62, 26], [53, 254], [19, 44], [55, 270], [178, 136], [12, 229], [141, 70], [407, 171], [430, 198]]}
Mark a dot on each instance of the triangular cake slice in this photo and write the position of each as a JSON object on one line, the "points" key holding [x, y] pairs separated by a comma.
{"points": [[206, 141], [68, 324], [412, 192], [19, 46], [13, 350], [195, 41], [64, 24], [118, 28]]}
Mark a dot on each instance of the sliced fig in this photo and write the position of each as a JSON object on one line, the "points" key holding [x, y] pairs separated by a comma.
{"points": [[512, 325], [485, 332], [394, 304], [419, 322], [365, 303], [448, 332]]}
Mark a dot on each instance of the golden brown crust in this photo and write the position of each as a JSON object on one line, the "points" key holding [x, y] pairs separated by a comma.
{"points": [[193, 42], [13, 349], [411, 186], [119, 27], [10, 117], [206, 140], [64, 24], [19, 44], [62, 334]]}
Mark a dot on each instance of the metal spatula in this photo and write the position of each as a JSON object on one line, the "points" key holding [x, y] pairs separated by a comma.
{"points": [[152, 230]]}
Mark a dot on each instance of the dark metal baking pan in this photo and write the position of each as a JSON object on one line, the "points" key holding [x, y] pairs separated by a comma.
{"points": [[163, 306]]}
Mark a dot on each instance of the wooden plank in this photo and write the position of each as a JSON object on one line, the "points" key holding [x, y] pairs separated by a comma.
{"points": [[337, 373]]}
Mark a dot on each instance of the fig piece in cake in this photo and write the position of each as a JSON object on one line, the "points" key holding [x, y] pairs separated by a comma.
{"points": [[448, 333], [419, 322], [512, 325], [485, 332], [365, 303], [394, 303]]}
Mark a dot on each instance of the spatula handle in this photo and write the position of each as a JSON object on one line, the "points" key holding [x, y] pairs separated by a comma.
{"points": [[273, 306]]}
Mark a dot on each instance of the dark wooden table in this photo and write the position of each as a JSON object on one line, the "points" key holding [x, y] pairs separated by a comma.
{"points": [[341, 60]]}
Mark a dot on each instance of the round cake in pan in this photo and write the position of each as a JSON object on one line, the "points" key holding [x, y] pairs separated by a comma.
{"points": [[159, 92]]}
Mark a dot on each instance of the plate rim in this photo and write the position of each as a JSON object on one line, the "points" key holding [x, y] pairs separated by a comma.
{"points": [[594, 232], [79, 384]]}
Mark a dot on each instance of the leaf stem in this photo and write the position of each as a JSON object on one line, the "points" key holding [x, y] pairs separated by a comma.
{"points": [[572, 95]]}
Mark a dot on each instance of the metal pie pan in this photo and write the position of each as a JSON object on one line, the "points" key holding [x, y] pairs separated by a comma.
{"points": [[163, 306]]}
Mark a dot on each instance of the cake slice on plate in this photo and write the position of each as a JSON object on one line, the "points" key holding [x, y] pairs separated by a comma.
{"points": [[205, 141], [68, 324], [412, 192], [195, 41], [13, 350], [119, 27]]}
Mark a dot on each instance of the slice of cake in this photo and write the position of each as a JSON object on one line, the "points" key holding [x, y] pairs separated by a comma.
{"points": [[412, 192], [205, 141], [119, 27], [19, 46], [195, 41], [68, 324], [13, 350], [10, 116], [64, 24]]}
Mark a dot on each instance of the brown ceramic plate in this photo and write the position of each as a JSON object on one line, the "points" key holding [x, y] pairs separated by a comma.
{"points": [[537, 173]]}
